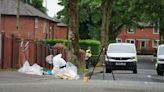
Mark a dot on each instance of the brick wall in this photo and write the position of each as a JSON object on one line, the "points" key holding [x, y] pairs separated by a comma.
{"points": [[146, 33], [139, 34], [61, 32], [27, 29], [26, 26]]}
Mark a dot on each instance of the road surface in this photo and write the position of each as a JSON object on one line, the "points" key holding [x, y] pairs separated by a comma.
{"points": [[146, 80]]}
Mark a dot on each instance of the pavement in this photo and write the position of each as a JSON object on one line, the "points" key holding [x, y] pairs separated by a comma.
{"points": [[92, 71]]}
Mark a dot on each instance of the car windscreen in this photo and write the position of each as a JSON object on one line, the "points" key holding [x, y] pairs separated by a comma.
{"points": [[161, 50], [121, 49]]}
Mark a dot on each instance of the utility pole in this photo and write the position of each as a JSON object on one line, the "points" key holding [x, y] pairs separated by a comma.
{"points": [[17, 16]]}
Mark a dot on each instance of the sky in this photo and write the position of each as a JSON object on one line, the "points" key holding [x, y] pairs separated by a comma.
{"points": [[52, 7]]}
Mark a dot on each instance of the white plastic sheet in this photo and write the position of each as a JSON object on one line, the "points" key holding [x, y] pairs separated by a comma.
{"points": [[34, 69], [25, 67], [69, 71], [72, 70]]}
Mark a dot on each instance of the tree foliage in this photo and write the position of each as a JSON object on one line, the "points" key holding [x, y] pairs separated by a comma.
{"points": [[89, 17], [124, 13], [38, 4]]}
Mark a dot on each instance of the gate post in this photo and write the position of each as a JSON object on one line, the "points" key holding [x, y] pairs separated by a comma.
{"points": [[1, 49]]}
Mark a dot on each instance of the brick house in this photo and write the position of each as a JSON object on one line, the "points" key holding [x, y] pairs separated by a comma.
{"points": [[60, 32], [146, 39], [33, 24]]}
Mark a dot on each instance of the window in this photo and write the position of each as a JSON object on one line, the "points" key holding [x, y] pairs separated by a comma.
{"points": [[36, 22], [131, 30], [132, 41], [143, 44], [45, 27], [156, 28], [118, 40], [155, 43]]}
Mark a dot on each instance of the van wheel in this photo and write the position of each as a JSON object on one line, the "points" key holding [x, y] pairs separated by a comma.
{"points": [[159, 73], [135, 71], [108, 70]]}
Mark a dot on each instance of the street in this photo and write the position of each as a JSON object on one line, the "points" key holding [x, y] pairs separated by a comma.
{"points": [[146, 73], [146, 80]]}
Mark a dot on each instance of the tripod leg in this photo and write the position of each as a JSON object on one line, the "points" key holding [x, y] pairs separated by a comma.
{"points": [[103, 72], [96, 64], [113, 76]]}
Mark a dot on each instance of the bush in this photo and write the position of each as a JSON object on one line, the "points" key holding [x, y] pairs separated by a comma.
{"points": [[53, 42], [84, 44], [94, 44]]}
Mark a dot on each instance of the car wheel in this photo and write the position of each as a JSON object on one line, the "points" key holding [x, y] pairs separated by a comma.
{"points": [[135, 71], [108, 70], [159, 72]]}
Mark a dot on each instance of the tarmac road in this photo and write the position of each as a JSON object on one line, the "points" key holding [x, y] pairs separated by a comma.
{"points": [[146, 80], [57, 85], [146, 72]]}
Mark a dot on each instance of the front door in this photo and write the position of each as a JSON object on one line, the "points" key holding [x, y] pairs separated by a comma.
{"points": [[143, 44]]}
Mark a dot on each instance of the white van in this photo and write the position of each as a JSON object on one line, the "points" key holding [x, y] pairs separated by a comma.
{"points": [[160, 60], [121, 56]]}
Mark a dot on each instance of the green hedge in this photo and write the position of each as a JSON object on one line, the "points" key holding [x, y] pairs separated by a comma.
{"points": [[53, 42], [94, 44], [84, 44]]}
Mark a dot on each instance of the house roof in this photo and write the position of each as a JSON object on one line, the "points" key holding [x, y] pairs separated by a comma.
{"points": [[8, 7], [149, 24], [57, 20], [61, 24]]}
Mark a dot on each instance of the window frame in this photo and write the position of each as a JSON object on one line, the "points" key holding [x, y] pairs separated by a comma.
{"points": [[130, 32], [117, 40], [45, 26], [130, 41], [155, 31], [36, 22], [153, 43]]}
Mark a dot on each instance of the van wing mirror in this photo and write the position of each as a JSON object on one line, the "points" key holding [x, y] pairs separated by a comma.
{"points": [[155, 54]]}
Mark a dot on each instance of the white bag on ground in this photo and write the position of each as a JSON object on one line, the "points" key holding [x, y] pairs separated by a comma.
{"points": [[34, 69], [72, 70], [25, 67]]}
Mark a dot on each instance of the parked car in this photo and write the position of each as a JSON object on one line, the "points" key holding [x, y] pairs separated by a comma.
{"points": [[160, 60], [121, 56]]}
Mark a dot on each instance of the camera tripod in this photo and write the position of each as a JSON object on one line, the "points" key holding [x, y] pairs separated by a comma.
{"points": [[103, 51]]}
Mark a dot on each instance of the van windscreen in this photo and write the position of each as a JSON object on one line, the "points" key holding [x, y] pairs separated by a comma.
{"points": [[121, 49], [161, 50]]}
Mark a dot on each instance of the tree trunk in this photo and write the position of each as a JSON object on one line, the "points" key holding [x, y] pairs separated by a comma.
{"points": [[73, 27], [106, 6], [106, 15]]}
